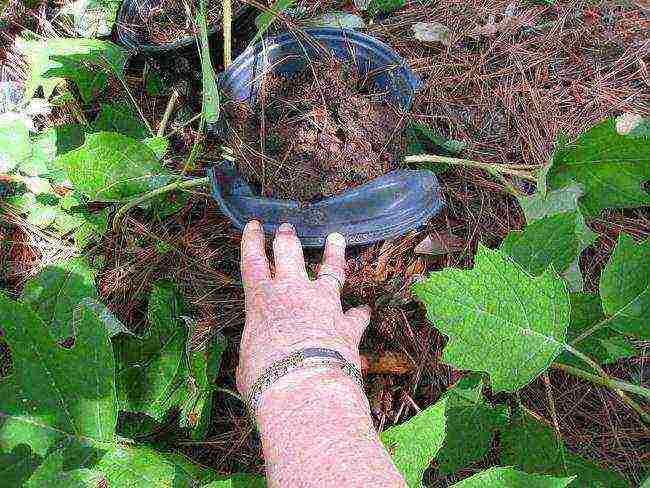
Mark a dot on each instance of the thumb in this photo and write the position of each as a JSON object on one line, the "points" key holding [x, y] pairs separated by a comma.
{"points": [[356, 321]]}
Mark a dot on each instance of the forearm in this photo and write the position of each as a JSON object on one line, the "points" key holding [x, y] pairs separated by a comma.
{"points": [[317, 432]]}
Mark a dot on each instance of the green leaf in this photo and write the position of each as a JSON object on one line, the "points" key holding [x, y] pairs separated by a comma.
{"points": [[55, 396], [471, 425], [605, 345], [499, 319], [532, 447], [210, 90], [15, 146], [52, 60], [508, 477], [65, 468], [610, 167], [384, 6], [43, 150], [414, 443], [158, 145], [57, 289], [94, 226], [110, 167], [625, 287], [120, 118], [265, 19], [545, 242], [143, 467], [17, 466], [239, 481], [555, 214], [148, 368]]}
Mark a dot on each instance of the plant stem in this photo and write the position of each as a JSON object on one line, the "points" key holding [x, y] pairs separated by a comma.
{"points": [[492, 168], [196, 147], [227, 33], [178, 185], [168, 111], [618, 386]]}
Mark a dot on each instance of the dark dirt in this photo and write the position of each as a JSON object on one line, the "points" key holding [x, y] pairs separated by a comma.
{"points": [[168, 21], [314, 135]]}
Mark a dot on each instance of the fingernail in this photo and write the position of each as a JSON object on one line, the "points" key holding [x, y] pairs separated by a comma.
{"points": [[253, 225], [286, 228], [336, 239]]}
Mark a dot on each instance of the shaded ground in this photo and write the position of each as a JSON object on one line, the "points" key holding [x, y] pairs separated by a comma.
{"points": [[555, 71]]}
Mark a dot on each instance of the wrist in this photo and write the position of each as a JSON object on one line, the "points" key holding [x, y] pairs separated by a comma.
{"points": [[303, 389]]}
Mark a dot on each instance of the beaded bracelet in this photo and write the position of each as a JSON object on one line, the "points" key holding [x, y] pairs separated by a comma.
{"points": [[307, 357]]}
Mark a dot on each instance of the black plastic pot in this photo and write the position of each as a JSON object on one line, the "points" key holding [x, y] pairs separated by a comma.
{"points": [[384, 208], [131, 13]]}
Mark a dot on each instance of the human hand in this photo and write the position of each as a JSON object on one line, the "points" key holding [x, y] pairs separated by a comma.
{"points": [[289, 312]]}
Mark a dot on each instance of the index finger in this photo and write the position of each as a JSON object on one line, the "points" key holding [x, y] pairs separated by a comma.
{"points": [[254, 263]]}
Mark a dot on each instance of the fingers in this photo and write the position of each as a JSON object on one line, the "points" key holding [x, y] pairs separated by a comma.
{"points": [[254, 264], [287, 251], [333, 266], [356, 321]]}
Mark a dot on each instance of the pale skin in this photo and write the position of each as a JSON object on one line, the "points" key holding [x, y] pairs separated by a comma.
{"points": [[315, 422]]}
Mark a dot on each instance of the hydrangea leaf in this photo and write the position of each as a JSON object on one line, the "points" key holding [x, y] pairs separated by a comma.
{"points": [[384, 6], [605, 345], [57, 289], [552, 215], [17, 465], [67, 468], [158, 145], [499, 319], [544, 242], [610, 167], [532, 446], [52, 60], [110, 167], [471, 425], [508, 477], [239, 481], [120, 118], [625, 288], [45, 401], [143, 467], [148, 366], [414, 443], [15, 146]]}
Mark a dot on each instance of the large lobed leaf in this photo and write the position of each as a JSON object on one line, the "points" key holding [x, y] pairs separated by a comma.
{"points": [[610, 167], [604, 345], [555, 235], [15, 146], [625, 288], [149, 367], [57, 289], [508, 477], [50, 61], [111, 167], [471, 426], [46, 402], [414, 443], [532, 447], [498, 318]]}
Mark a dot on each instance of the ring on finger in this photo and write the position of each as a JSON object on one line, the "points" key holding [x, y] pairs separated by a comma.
{"points": [[336, 278]]}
